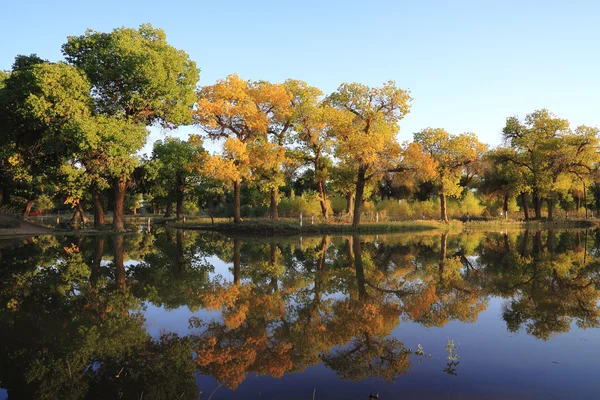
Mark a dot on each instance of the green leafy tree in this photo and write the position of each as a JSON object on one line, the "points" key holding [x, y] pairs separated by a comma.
{"points": [[138, 80], [178, 165]]}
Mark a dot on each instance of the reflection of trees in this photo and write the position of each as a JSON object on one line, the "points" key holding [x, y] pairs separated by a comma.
{"points": [[548, 278], [64, 333], [287, 304]]}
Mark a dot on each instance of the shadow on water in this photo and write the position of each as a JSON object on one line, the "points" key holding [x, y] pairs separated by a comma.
{"points": [[331, 314]]}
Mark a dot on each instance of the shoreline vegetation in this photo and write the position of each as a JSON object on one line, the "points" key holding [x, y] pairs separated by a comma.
{"points": [[72, 132], [15, 227]]}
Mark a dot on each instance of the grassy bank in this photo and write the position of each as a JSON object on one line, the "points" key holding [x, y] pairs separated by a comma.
{"points": [[268, 227]]}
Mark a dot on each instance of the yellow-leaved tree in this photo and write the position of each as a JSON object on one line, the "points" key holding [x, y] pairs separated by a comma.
{"points": [[365, 131], [246, 113], [450, 154]]}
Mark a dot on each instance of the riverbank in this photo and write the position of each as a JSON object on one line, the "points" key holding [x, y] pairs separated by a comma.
{"points": [[268, 227], [11, 226]]}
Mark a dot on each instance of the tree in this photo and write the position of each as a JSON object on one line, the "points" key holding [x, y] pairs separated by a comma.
{"points": [[242, 112], [137, 79], [537, 142], [365, 131], [41, 108], [178, 167], [450, 155], [313, 134]]}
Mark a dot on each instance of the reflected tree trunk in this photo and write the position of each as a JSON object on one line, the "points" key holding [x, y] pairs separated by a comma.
{"points": [[118, 262], [537, 243], [274, 260], [97, 260], [358, 266], [179, 250], [525, 244], [443, 253], [237, 249]]}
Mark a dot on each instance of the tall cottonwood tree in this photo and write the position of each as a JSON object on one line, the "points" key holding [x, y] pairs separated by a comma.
{"points": [[450, 154], [242, 112], [313, 134], [137, 79], [365, 131], [177, 166], [536, 141]]}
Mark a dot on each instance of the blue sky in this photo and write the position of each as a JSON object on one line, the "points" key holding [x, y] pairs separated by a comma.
{"points": [[468, 64]]}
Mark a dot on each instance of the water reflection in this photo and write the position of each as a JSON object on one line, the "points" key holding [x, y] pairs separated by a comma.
{"points": [[72, 309]]}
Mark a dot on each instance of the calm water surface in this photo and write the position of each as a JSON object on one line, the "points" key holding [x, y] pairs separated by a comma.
{"points": [[184, 314]]}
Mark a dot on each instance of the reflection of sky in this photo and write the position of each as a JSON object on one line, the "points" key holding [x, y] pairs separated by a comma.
{"points": [[494, 363]]}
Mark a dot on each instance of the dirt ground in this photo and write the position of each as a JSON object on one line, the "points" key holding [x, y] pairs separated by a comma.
{"points": [[14, 226]]}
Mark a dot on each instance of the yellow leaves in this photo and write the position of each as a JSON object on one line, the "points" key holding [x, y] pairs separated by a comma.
{"points": [[241, 108]]}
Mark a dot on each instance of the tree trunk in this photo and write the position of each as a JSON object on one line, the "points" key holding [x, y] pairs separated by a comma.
{"points": [[237, 249], [98, 209], [349, 203], [537, 206], [358, 198], [443, 207], [550, 202], [76, 218], [119, 186], [28, 207], [525, 199], [274, 198], [585, 200], [505, 206], [323, 200], [578, 204], [5, 195], [180, 195], [84, 218], [169, 210], [237, 200]]}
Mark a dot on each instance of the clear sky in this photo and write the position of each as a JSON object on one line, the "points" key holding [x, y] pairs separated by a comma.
{"points": [[468, 64]]}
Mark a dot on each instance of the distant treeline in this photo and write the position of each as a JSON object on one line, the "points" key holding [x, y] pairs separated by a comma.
{"points": [[71, 132]]}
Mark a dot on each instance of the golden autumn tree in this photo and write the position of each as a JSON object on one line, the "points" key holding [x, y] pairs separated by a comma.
{"points": [[313, 134], [366, 129], [242, 112], [450, 154]]}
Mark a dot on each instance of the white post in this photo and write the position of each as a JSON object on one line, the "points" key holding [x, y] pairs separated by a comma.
{"points": [[300, 218], [148, 224], [312, 219]]}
